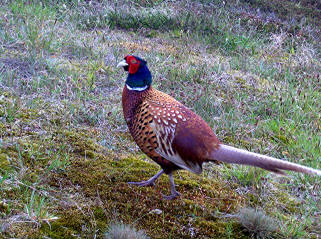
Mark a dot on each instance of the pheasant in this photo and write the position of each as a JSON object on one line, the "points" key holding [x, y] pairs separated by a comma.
{"points": [[174, 136]]}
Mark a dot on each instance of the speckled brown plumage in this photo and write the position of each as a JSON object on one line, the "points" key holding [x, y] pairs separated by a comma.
{"points": [[158, 125], [174, 136]]}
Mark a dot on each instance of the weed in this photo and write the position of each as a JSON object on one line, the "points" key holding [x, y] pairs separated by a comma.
{"points": [[36, 209]]}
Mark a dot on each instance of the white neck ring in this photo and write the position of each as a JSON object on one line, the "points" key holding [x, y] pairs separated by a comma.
{"points": [[136, 88]]}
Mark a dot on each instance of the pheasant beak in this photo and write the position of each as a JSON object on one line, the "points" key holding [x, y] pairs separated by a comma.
{"points": [[123, 63]]}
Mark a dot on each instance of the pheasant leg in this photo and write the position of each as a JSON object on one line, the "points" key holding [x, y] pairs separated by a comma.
{"points": [[174, 193], [149, 182]]}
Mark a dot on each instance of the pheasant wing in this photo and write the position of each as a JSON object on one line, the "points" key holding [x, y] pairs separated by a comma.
{"points": [[168, 116]]}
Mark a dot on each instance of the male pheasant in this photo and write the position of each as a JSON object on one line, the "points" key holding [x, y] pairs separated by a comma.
{"points": [[174, 136]]}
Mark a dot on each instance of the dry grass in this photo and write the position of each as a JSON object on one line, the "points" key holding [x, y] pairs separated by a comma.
{"points": [[257, 222]]}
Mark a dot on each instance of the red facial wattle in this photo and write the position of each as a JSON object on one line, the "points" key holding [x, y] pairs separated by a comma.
{"points": [[133, 64]]}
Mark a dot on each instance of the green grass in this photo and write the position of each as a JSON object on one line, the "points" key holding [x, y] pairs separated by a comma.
{"points": [[66, 154]]}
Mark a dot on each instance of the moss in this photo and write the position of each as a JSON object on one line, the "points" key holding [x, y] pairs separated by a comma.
{"points": [[89, 154], [4, 162], [109, 182], [3, 206], [289, 203], [100, 217], [99, 182], [218, 228], [82, 142], [68, 225]]}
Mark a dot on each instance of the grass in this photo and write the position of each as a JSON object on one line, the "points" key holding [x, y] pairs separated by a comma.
{"points": [[66, 154]]}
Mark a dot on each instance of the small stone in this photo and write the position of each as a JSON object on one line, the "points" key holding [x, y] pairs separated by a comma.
{"points": [[156, 211]]}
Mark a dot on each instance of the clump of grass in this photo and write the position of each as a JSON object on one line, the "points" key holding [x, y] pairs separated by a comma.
{"points": [[245, 176], [125, 20], [123, 231], [36, 209], [156, 21], [36, 26], [257, 222]]}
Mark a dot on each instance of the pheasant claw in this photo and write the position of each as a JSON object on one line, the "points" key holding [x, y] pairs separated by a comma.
{"points": [[172, 196]]}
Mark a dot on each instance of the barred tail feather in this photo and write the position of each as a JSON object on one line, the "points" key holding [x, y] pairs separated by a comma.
{"points": [[230, 154]]}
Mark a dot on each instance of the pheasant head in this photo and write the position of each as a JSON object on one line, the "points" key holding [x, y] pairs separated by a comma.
{"points": [[139, 76]]}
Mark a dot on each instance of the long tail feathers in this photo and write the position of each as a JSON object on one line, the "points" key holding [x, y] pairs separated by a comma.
{"points": [[230, 154]]}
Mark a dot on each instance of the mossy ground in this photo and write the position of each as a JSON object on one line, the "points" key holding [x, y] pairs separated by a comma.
{"points": [[91, 190], [251, 69]]}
